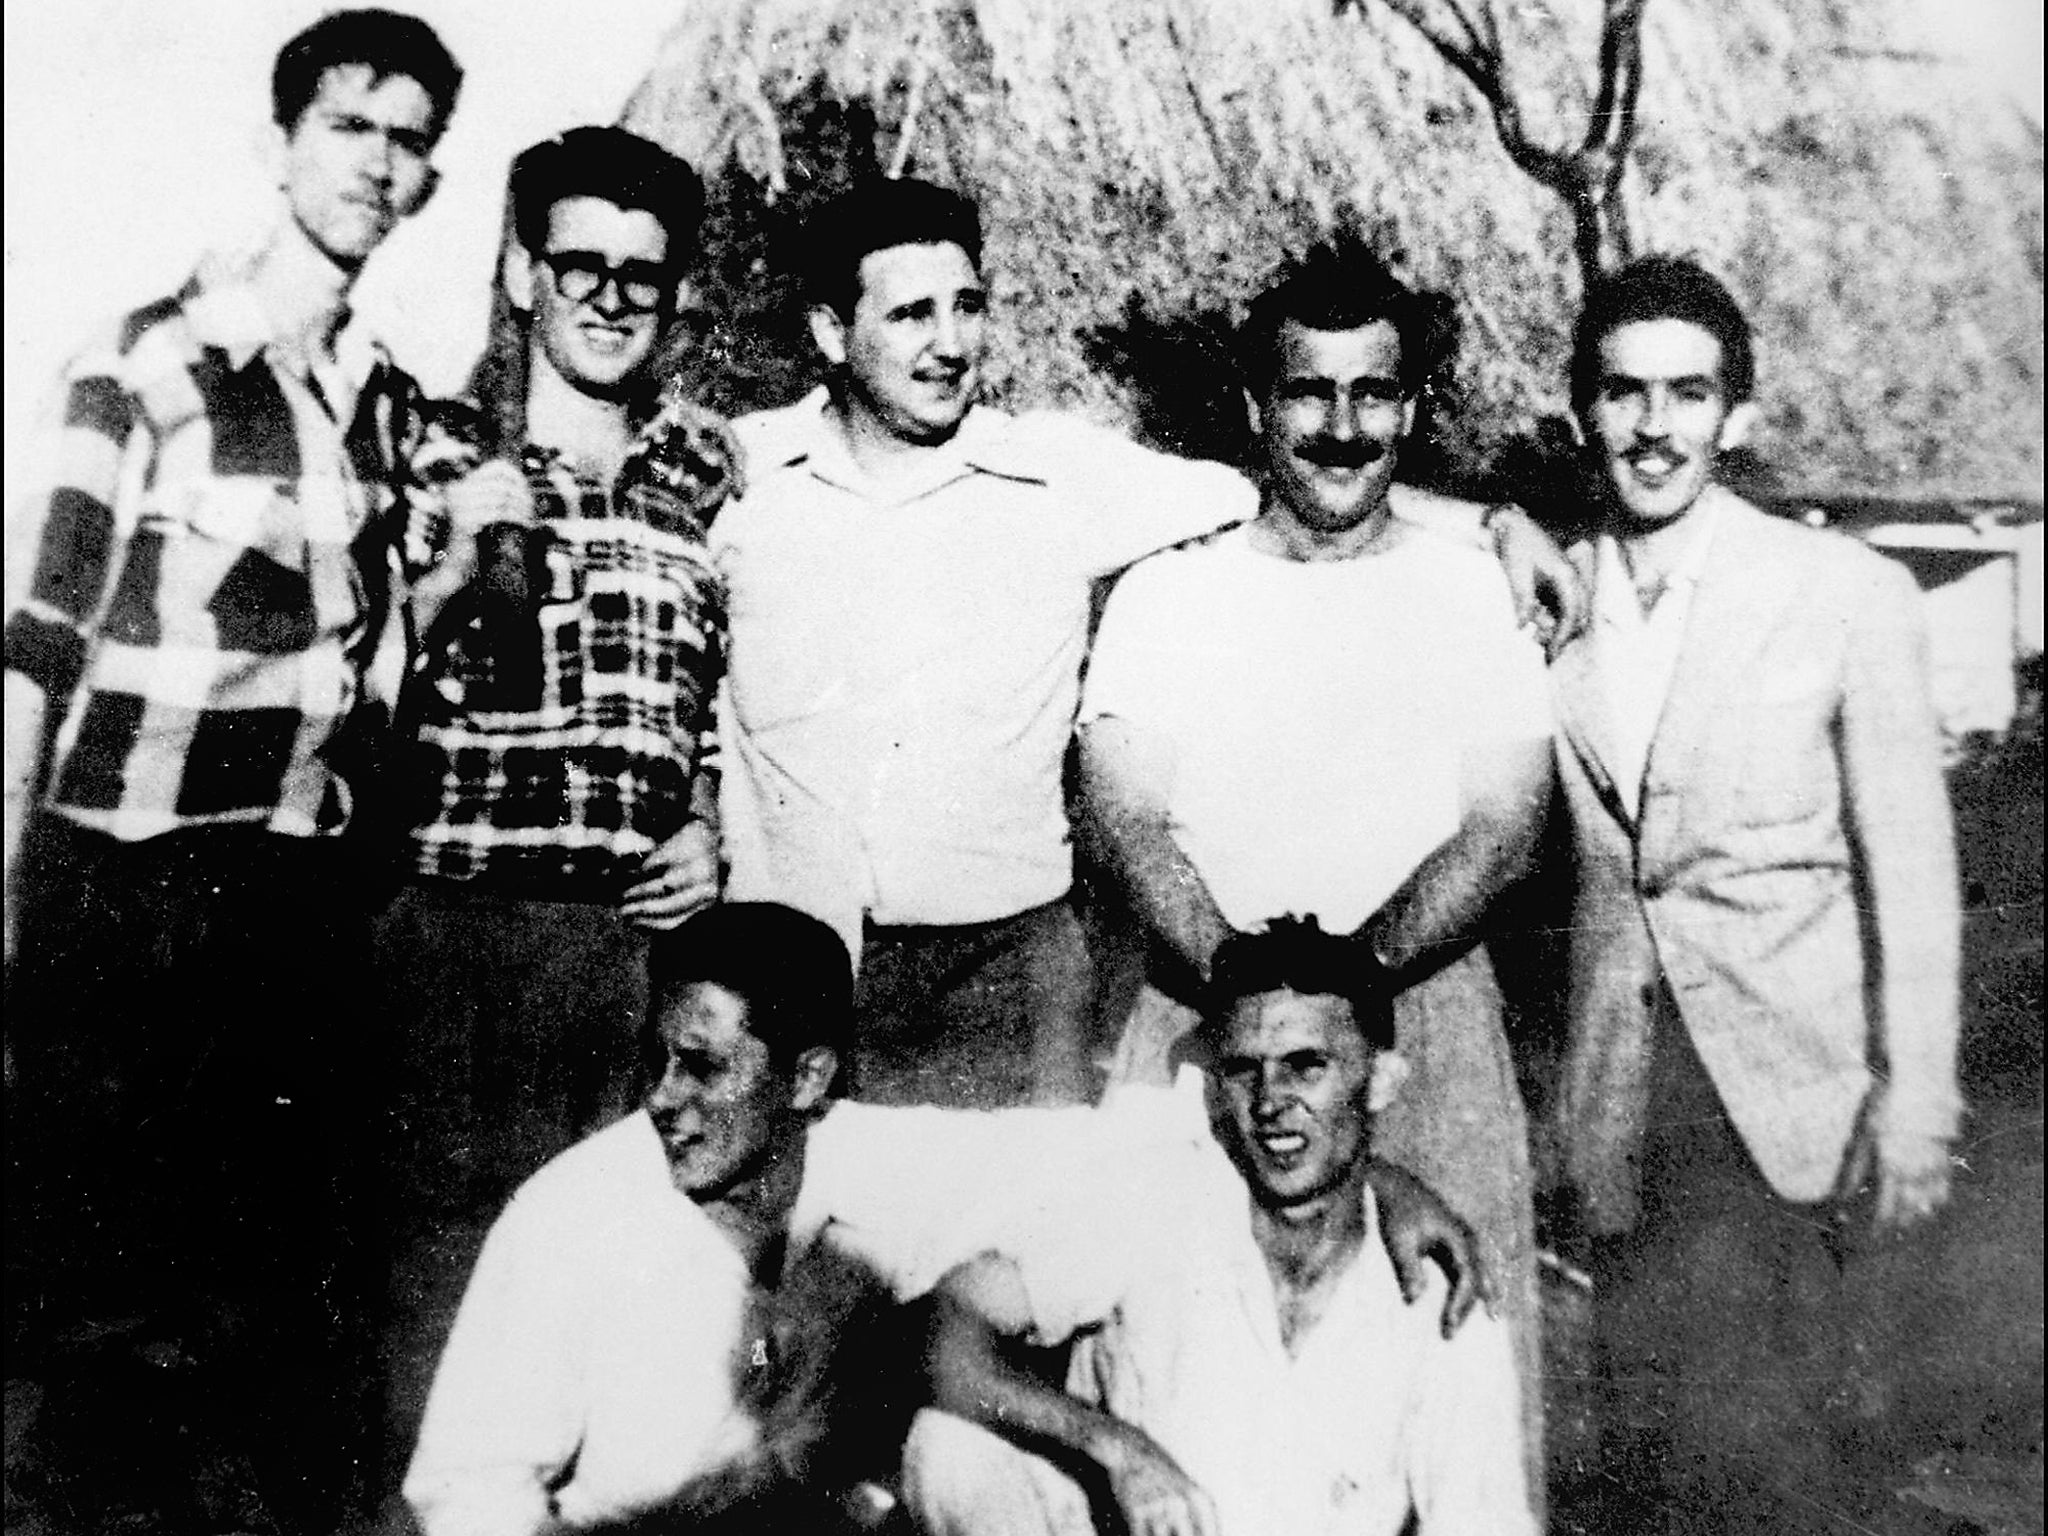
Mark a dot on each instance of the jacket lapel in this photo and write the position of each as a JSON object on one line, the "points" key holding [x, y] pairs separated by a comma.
{"points": [[1739, 590], [1581, 702]]}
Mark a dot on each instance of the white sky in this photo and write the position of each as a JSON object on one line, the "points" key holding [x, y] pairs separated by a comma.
{"points": [[134, 142], [133, 134]]}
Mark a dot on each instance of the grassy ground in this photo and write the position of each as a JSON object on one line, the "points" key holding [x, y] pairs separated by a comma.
{"points": [[1954, 1326]]}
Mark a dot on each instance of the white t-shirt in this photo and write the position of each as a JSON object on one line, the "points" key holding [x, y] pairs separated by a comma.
{"points": [[1318, 712]]}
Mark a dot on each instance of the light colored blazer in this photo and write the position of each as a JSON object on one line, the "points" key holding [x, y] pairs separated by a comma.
{"points": [[1791, 874]]}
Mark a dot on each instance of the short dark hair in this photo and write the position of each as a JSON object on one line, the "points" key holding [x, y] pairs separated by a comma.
{"points": [[1341, 284], [878, 214], [612, 164], [385, 42], [1293, 954], [1662, 288], [789, 968]]}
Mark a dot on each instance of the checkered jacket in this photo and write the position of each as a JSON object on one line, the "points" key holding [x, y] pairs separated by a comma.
{"points": [[209, 606], [555, 747]]}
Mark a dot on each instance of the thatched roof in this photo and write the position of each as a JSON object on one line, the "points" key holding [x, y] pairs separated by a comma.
{"points": [[1165, 153]]}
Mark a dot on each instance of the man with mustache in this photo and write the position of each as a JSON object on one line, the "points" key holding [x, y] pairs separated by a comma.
{"points": [[1762, 1060], [1329, 711], [210, 634], [1244, 1361], [557, 707], [910, 577]]}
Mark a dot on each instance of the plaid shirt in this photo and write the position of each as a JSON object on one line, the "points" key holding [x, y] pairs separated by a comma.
{"points": [[556, 751], [196, 615]]}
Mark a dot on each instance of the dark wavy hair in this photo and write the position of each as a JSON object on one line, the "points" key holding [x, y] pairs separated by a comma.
{"points": [[791, 970], [1662, 288], [1293, 954], [876, 215], [386, 42], [608, 163], [1341, 284]]}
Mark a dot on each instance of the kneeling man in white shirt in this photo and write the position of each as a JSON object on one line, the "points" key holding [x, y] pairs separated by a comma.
{"points": [[1244, 1360]]}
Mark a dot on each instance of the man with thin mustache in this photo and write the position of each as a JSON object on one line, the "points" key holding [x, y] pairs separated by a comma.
{"points": [[1329, 711], [1761, 1069]]}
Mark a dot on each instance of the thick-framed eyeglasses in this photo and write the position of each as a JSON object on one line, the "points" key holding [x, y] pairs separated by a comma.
{"points": [[582, 275]]}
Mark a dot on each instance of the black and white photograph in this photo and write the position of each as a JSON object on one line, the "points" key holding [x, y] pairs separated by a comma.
{"points": [[1019, 768]]}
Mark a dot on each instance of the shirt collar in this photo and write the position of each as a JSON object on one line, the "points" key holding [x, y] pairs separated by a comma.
{"points": [[225, 311], [1612, 583], [987, 443]]}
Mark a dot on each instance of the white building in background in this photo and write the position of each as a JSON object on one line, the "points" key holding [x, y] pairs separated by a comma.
{"points": [[1978, 559]]}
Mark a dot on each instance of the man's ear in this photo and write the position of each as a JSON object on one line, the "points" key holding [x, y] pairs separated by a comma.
{"points": [[1408, 414], [1389, 1071], [274, 146], [518, 274], [1736, 428], [815, 1069], [429, 185], [1253, 414], [829, 332]]}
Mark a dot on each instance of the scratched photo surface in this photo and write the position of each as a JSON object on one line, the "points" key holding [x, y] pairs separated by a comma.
{"points": [[1868, 183]]}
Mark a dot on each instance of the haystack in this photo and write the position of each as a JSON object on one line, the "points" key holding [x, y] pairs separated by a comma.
{"points": [[1142, 163]]}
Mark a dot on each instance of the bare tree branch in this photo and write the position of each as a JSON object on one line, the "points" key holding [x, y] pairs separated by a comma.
{"points": [[1588, 175], [1612, 129], [906, 130]]}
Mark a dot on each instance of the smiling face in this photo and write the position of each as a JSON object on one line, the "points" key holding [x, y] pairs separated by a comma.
{"points": [[599, 340], [355, 162], [724, 1112], [1296, 1087], [911, 353], [1658, 417], [1333, 419]]}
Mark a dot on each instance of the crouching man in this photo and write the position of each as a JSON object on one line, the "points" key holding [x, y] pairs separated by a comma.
{"points": [[1244, 1359], [661, 1325]]}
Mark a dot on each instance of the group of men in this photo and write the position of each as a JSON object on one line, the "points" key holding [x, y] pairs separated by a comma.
{"points": [[285, 620]]}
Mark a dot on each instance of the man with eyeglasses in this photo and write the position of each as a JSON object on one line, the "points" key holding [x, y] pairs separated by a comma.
{"points": [[554, 714]]}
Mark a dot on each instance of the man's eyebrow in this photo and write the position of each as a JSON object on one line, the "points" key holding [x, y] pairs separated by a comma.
{"points": [[1615, 379]]}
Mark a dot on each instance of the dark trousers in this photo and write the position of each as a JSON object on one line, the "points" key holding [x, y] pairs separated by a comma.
{"points": [[517, 1026], [1727, 1330], [188, 1119], [514, 1028], [974, 1015]]}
